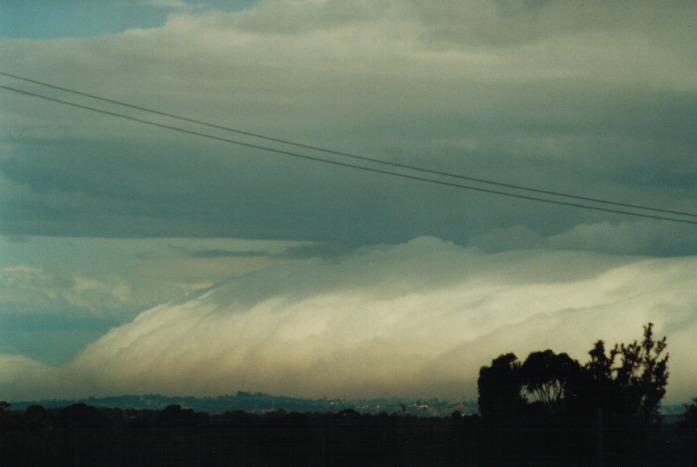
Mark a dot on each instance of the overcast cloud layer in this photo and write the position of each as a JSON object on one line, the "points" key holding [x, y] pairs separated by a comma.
{"points": [[596, 100], [103, 218]]}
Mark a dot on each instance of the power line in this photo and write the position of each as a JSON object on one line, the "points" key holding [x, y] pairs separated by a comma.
{"points": [[344, 164], [350, 155]]}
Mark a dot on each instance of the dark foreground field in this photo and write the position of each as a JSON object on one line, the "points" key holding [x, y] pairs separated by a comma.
{"points": [[81, 435]]}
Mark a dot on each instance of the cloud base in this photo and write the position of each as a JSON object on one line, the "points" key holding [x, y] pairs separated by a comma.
{"points": [[416, 319]]}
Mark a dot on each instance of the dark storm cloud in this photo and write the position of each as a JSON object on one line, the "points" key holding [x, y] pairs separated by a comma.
{"points": [[122, 190], [554, 102]]}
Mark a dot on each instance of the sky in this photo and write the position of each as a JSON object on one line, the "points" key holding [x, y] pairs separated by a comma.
{"points": [[180, 257]]}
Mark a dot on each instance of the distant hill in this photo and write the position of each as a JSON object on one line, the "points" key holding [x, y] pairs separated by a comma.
{"points": [[257, 402]]}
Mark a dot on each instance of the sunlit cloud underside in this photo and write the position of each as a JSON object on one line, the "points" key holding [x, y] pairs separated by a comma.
{"points": [[417, 319]]}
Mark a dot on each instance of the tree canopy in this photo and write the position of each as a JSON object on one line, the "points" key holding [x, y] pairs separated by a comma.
{"points": [[630, 379], [551, 403]]}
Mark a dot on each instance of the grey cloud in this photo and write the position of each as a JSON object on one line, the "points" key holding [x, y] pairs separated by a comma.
{"points": [[19, 239], [167, 4], [324, 250], [629, 237], [220, 253], [512, 238], [589, 115], [134, 192], [287, 17], [148, 255], [509, 23]]}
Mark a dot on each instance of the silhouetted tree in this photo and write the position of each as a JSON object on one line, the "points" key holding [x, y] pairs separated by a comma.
{"points": [[549, 377], [631, 378], [635, 384], [37, 417], [552, 406], [500, 387], [545, 377], [82, 416], [175, 416]]}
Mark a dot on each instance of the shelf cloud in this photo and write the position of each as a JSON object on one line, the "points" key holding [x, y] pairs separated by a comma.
{"points": [[414, 319]]}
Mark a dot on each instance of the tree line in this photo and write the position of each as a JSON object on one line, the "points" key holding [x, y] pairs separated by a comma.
{"points": [[552, 410], [548, 410], [82, 435]]}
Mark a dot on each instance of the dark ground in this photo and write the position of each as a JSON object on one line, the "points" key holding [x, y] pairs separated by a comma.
{"points": [[81, 435]]}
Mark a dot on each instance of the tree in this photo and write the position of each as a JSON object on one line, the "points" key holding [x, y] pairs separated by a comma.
{"points": [[500, 386], [175, 416], [82, 416], [630, 380], [548, 377], [552, 406], [636, 383]]}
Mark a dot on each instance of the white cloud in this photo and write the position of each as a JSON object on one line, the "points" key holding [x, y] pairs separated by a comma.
{"points": [[414, 319]]}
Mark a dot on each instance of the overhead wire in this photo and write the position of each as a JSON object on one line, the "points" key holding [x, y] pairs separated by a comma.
{"points": [[345, 164], [349, 155]]}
